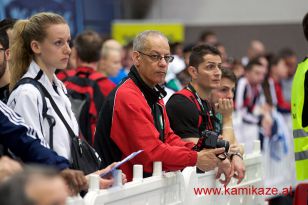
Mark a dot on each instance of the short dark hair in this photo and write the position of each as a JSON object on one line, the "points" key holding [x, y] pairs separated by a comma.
{"points": [[274, 60], [174, 46], [253, 62], [229, 74], [305, 26], [286, 52], [7, 23], [188, 48], [206, 34], [88, 46], [199, 51], [4, 39]]}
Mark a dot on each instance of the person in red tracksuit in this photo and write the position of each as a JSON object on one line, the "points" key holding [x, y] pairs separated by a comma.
{"points": [[134, 117], [86, 79]]}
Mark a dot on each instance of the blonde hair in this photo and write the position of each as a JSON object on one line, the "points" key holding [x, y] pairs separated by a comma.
{"points": [[24, 32], [110, 46]]}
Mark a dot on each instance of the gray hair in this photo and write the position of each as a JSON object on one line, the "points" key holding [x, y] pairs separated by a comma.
{"points": [[139, 43]]}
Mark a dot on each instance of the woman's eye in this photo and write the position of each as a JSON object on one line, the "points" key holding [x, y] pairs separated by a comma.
{"points": [[58, 43]]}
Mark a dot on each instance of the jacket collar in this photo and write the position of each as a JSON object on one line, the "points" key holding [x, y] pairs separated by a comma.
{"points": [[152, 95], [34, 71], [85, 69]]}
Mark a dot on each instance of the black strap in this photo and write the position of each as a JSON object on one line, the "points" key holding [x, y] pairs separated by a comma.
{"points": [[206, 113], [159, 120], [86, 74], [50, 119], [192, 89], [52, 122], [55, 107]]}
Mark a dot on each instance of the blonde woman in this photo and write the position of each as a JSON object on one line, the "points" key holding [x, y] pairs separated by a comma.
{"points": [[40, 45]]}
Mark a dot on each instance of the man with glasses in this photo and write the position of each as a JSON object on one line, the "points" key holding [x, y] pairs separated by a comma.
{"points": [[134, 117]]}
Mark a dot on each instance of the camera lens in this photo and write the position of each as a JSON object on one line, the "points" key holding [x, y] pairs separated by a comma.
{"points": [[223, 143]]}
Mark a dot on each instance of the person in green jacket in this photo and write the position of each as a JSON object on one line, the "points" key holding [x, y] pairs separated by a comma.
{"points": [[299, 111]]}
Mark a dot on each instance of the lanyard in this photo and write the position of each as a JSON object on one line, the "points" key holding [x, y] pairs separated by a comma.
{"points": [[157, 112], [204, 112], [192, 89]]}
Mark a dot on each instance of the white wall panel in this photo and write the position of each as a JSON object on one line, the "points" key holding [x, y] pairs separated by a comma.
{"points": [[229, 12]]}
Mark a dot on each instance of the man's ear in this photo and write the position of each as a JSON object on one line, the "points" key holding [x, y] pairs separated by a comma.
{"points": [[193, 72], [35, 47], [136, 58]]}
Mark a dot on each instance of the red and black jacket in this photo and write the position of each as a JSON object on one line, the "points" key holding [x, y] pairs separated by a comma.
{"points": [[134, 118]]}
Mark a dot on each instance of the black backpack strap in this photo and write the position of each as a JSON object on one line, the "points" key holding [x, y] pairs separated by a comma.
{"points": [[98, 96], [50, 119], [69, 129], [55, 107], [83, 73]]}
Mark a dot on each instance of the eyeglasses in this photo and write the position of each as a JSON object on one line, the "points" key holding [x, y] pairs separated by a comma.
{"points": [[157, 58]]}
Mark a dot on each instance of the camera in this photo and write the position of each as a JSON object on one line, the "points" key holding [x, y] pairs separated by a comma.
{"points": [[210, 140]]}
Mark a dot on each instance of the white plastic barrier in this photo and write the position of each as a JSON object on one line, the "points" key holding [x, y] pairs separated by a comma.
{"points": [[161, 188], [233, 193], [176, 187], [75, 201], [280, 172]]}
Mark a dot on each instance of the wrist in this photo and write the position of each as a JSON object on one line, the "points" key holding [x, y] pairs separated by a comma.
{"points": [[236, 154], [222, 156], [227, 120], [241, 146], [227, 127]]}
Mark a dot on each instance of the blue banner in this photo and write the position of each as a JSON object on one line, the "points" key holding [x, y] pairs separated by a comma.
{"points": [[21, 9]]}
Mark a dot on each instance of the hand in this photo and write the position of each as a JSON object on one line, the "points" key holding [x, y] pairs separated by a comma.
{"points": [[207, 159], [75, 180], [124, 179], [234, 148], [266, 124], [238, 166], [224, 107], [107, 181], [225, 168], [8, 167], [266, 108]]}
